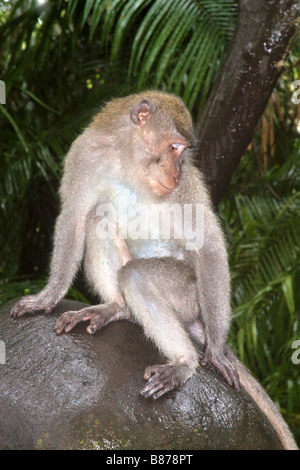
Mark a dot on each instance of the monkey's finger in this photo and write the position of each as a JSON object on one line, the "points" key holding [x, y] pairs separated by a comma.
{"points": [[14, 310], [162, 370], [148, 392], [161, 382], [20, 308], [18, 311], [160, 387], [152, 380], [147, 375], [26, 309]]}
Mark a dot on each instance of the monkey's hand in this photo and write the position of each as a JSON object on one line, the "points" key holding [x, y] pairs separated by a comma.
{"points": [[225, 366], [42, 301], [163, 378]]}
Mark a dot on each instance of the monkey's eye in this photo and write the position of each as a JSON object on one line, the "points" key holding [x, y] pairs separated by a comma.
{"points": [[176, 146]]}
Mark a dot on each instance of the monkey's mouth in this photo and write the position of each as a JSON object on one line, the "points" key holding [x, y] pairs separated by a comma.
{"points": [[169, 190]]}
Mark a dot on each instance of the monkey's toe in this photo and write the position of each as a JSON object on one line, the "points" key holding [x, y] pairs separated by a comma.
{"points": [[69, 319], [164, 379], [97, 322], [227, 369]]}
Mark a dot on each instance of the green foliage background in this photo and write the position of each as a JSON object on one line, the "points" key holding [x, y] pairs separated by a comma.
{"points": [[60, 61]]}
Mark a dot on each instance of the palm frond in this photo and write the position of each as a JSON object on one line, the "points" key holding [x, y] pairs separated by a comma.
{"points": [[179, 44]]}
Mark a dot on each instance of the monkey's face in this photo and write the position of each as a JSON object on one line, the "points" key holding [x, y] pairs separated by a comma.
{"points": [[158, 150], [163, 169], [158, 158]]}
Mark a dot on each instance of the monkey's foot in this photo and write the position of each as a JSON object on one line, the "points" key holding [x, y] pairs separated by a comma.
{"points": [[69, 319], [225, 366], [163, 378], [99, 316], [31, 303]]}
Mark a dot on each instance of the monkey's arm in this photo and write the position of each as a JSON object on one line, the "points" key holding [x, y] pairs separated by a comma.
{"points": [[67, 254], [68, 240], [102, 273]]}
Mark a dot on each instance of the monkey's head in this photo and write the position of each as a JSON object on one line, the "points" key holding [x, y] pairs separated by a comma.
{"points": [[163, 130]]}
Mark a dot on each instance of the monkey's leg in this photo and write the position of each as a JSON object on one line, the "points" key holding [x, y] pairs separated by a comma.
{"points": [[196, 331], [213, 280], [155, 291], [215, 315], [99, 316]]}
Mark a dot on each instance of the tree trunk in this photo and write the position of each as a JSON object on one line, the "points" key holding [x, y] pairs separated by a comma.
{"points": [[263, 37]]}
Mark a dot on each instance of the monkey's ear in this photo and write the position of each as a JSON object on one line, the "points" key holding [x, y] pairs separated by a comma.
{"points": [[141, 113]]}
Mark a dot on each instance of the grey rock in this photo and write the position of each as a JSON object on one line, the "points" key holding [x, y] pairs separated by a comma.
{"points": [[78, 391]]}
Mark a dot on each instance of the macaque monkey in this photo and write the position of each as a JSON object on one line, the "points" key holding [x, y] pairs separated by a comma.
{"points": [[138, 151]]}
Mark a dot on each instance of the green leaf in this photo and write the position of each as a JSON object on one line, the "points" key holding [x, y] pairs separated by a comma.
{"points": [[16, 127], [287, 287]]}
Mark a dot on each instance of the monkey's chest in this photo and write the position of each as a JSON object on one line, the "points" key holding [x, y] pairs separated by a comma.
{"points": [[148, 229], [155, 248], [150, 234]]}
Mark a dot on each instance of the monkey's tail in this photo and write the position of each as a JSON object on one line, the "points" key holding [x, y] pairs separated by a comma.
{"points": [[266, 405]]}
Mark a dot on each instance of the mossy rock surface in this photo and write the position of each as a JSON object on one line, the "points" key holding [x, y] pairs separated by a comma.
{"points": [[78, 391]]}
